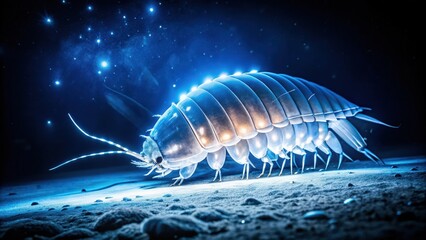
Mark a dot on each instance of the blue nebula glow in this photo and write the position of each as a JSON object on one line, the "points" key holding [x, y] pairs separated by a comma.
{"points": [[124, 16], [49, 123], [89, 29], [111, 33], [151, 9], [174, 85], [193, 88], [253, 71], [89, 8], [98, 41], [48, 20], [99, 72], [104, 64], [57, 83]]}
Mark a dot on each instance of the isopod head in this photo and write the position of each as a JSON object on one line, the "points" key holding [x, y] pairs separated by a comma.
{"points": [[172, 144]]}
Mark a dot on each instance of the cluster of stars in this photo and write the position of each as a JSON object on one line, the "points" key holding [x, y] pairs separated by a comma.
{"points": [[116, 48]]}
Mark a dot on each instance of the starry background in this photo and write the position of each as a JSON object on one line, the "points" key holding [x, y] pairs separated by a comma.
{"points": [[58, 57]]}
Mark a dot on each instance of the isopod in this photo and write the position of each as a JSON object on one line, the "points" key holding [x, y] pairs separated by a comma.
{"points": [[264, 115]]}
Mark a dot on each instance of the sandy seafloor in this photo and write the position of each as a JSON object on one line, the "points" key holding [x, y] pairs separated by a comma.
{"points": [[362, 200]]}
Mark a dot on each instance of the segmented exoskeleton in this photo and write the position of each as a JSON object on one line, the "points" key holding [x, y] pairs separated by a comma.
{"points": [[267, 115]]}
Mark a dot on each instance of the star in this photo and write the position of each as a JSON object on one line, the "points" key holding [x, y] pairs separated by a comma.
{"points": [[104, 64]]}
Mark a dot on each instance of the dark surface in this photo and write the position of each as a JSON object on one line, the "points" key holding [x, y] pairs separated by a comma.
{"points": [[361, 201], [366, 52]]}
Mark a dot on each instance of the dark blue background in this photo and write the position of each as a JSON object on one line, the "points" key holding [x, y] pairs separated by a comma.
{"points": [[370, 53]]}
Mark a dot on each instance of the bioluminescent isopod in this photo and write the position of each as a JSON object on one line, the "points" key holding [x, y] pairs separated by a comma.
{"points": [[263, 116]]}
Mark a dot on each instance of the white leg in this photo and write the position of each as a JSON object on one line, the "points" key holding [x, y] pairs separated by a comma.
{"points": [[282, 167], [244, 171], [315, 160], [340, 161], [270, 169], [328, 160], [248, 170], [177, 180], [215, 176], [263, 170]]}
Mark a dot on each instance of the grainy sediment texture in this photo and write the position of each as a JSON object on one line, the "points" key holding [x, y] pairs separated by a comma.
{"points": [[361, 201]]}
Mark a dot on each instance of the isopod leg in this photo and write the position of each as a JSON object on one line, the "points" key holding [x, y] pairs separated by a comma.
{"points": [[266, 160], [340, 160], [328, 160], [178, 179], [246, 171], [315, 160], [285, 157], [218, 173], [185, 173], [216, 161]]}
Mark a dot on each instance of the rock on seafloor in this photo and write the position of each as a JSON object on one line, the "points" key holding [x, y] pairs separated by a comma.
{"points": [[315, 215], [173, 226], [75, 233], [25, 228], [119, 217]]}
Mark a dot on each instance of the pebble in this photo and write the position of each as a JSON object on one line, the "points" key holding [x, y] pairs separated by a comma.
{"points": [[349, 200], [138, 196], [83, 190], [176, 200], [108, 197], [167, 195], [130, 232], [117, 218], [251, 201], [12, 194], [414, 169], [28, 228], [398, 175], [98, 201], [173, 227], [51, 209], [75, 233], [315, 215], [65, 206], [266, 217], [208, 215], [350, 185], [394, 166], [126, 199], [180, 207], [34, 203]]}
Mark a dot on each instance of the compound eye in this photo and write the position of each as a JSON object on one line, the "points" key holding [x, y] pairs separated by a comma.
{"points": [[158, 160]]}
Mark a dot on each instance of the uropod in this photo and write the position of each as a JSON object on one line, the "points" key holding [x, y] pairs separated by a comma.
{"points": [[262, 115]]}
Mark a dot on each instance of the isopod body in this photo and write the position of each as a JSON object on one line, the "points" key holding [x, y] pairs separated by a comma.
{"points": [[265, 115]]}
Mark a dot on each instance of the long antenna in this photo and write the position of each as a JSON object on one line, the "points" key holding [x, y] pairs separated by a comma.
{"points": [[124, 150]]}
